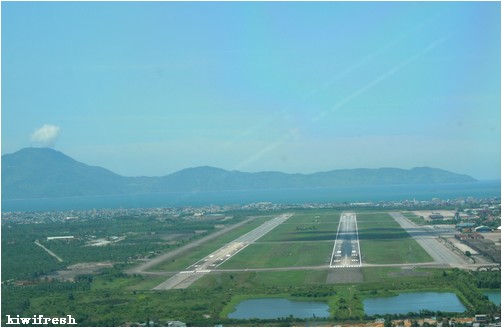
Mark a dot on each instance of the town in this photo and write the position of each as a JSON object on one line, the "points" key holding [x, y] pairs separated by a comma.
{"points": [[485, 211]]}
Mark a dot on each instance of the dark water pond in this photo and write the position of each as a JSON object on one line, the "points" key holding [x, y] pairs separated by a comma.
{"points": [[493, 295], [271, 308], [413, 302]]}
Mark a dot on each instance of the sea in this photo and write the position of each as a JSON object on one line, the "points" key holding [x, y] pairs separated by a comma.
{"points": [[359, 194]]}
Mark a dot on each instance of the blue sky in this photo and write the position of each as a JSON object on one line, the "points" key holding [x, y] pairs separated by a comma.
{"points": [[152, 88]]}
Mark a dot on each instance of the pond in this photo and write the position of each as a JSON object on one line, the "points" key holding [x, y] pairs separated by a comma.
{"points": [[272, 308], [413, 302], [493, 295]]}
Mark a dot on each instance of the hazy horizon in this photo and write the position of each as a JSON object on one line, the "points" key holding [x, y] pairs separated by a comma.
{"points": [[153, 88], [263, 171]]}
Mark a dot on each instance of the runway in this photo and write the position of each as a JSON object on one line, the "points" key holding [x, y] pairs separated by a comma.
{"points": [[427, 238], [346, 251], [212, 261], [145, 267]]}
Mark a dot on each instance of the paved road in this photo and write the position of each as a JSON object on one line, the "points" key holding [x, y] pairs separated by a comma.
{"points": [[143, 268], [319, 267], [346, 251], [428, 239], [218, 257]]}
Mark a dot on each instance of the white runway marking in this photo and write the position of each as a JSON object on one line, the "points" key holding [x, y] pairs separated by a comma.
{"points": [[346, 251], [185, 278]]}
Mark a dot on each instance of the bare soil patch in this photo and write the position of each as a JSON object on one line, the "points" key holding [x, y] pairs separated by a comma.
{"points": [[493, 236], [409, 271], [79, 269], [344, 275]]}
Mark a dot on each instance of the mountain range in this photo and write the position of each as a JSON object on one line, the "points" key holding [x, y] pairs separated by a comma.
{"points": [[46, 173]]}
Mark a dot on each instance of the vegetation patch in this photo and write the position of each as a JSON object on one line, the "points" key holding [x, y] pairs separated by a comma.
{"points": [[277, 255], [418, 220], [315, 226], [383, 241], [112, 298], [197, 253]]}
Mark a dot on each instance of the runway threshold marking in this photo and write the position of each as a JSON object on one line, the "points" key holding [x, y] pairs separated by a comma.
{"points": [[345, 247]]}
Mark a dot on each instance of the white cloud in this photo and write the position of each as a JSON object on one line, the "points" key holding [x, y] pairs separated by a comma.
{"points": [[46, 135]]}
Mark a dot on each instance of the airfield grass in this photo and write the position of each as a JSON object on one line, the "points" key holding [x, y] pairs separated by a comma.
{"points": [[394, 251], [195, 254], [418, 220], [311, 216], [302, 232], [261, 279], [316, 226], [306, 239], [383, 241], [373, 276], [307, 229], [276, 255], [236, 233]]}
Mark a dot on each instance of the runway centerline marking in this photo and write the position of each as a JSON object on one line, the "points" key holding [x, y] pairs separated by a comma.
{"points": [[346, 249]]}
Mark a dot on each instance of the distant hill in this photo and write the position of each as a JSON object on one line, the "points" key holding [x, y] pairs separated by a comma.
{"points": [[44, 172]]}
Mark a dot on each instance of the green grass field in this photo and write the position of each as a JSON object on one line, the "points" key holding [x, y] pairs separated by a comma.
{"points": [[266, 279], [321, 216], [276, 255], [383, 241], [195, 254], [418, 220], [306, 239], [305, 227]]}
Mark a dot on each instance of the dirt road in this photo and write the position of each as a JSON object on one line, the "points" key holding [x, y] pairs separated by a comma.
{"points": [[51, 253]]}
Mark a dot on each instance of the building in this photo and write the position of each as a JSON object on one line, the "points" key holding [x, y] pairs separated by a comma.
{"points": [[465, 225], [469, 236], [480, 318], [436, 216], [60, 237], [483, 229]]}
